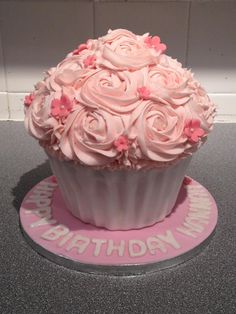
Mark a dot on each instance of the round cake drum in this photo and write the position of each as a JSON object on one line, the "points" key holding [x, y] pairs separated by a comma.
{"points": [[53, 232]]}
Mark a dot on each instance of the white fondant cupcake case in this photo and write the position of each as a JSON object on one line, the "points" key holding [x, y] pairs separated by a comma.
{"points": [[119, 199]]}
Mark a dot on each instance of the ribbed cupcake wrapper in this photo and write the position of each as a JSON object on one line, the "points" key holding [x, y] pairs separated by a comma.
{"points": [[119, 200]]}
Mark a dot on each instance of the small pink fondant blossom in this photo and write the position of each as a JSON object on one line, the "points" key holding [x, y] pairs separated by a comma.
{"points": [[89, 61], [187, 181], [29, 99], [144, 92], [193, 130], [155, 42], [60, 108], [121, 143], [53, 179], [79, 49]]}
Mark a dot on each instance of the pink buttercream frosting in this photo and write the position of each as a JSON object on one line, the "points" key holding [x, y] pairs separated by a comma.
{"points": [[119, 102]]}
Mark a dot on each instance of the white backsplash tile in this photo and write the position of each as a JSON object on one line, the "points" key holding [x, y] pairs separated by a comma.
{"points": [[4, 113], [16, 106], [38, 34], [168, 20], [212, 45], [2, 70], [226, 107]]}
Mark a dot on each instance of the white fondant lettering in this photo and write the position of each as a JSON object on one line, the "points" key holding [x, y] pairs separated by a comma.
{"points": [[169, 238], [34, 197], [154, 244], [200, 201], [194, 226], [195, 190], [55, 233], [29, 210], [198, 194], [203, 199], [43, 193], [202, 216], [98, 245], [120, 248], [186, 231], [80, 242], [40, 202], [44, 221], [192, 195], [65, 239], [47, 184], [196, 197], [199, 213], [200, 207], [41, 212], [137, 248], [194, 187], [196, 221], [44, 211]]}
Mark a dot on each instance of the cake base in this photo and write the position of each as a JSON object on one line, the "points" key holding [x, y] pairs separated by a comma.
{"points": [[56, 234]]}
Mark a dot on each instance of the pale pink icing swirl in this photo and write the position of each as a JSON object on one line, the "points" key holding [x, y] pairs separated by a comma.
{"points": [[122, 50], [115, 92], [38, 121], [169, 82], [90, 135], [118, 88], [158, 131], [201, 107]]}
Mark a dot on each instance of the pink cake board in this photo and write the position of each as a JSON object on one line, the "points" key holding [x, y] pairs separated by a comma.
{"points": [[56, 234]]}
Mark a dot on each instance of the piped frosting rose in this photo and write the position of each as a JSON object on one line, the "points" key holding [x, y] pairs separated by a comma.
{"points": [[123, 50], [46, 116], [65, 74], [119, 101], [201, 107], [90, 135], [112, 91], [158, 131], [38, 120], [169, 82]]}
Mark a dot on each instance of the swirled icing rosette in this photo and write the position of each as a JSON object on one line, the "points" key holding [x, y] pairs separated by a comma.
{"points": [[119, 101], [123, 50], [115, 92], [90, 135], [169, 82], [158, 131]]}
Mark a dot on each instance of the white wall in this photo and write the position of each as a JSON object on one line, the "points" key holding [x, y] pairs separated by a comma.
{"points": [[35, 35]]}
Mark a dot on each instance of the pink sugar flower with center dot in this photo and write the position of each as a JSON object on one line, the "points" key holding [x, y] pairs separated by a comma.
{"points": [[187, 181], [89, 61], [29, 99], [60, 108], [79, 49], [155, 42], [144, 92], [193, 130], [121, 143], [53, 179]]}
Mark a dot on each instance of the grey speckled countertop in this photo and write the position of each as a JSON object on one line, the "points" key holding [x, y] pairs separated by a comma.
{"points": [[31, 284]]}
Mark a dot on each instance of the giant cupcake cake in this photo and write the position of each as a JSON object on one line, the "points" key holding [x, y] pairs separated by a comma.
{"points": [[119, 121]]}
